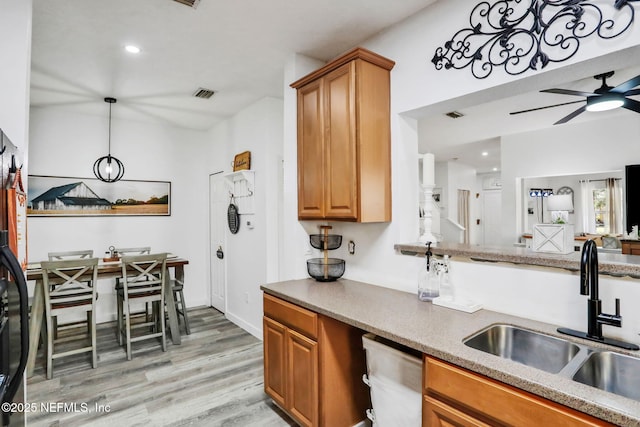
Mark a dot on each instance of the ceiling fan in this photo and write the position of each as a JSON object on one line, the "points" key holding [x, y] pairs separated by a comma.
{"points": [[603, 98]]}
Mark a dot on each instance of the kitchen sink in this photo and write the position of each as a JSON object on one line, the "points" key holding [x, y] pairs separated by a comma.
{"points": [[524, 346], [612, 372]]}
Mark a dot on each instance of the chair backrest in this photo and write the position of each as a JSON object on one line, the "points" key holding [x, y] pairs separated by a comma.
{"points": [[143, 250], [69, 283], [58, 256], [144, 275]]}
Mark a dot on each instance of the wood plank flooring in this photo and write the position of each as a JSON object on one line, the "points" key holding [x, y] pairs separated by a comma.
{"points": [[214, 378]]}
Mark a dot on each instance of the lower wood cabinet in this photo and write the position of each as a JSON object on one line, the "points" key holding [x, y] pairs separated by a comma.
{"points": [[313, 365], [630, 247], [456, 397]]}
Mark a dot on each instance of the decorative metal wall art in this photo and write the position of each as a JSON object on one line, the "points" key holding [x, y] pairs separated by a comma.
{"points": [[522, 35]]}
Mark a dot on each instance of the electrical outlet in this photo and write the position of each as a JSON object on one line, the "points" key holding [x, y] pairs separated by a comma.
{"points": [[246, 297]]}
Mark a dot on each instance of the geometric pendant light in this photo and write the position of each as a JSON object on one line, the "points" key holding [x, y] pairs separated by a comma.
{"points": [[108, 168]]}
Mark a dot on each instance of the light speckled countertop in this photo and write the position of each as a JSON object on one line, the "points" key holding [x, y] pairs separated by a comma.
{"points": [[439, 332], [613, 264]]}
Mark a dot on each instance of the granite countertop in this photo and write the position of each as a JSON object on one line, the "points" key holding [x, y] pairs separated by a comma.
{"points": [[439, 332], [612, 264]]}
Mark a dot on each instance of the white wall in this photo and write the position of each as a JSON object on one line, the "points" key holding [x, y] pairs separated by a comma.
{"points": [[417, 85], [549, 295], [419, 89], [65, 144], [15, 45], [251, 255], [583, 148]]}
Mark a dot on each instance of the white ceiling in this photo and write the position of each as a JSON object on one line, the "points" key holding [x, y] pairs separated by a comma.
{"points": [[465, 138], [236, 47], [239, 48]]}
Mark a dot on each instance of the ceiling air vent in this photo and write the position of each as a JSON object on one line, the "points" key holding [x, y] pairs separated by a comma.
{"points": [[190, 3], [454, 114], [203, 93]]}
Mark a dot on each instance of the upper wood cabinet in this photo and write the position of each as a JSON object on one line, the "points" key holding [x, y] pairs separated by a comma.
{"points": [[344, 139]]}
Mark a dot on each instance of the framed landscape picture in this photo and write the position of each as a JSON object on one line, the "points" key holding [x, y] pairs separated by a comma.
{"points": [[68, 196]]}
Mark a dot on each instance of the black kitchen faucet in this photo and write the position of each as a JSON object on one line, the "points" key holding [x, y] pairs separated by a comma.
{"points": [[595, 317]]}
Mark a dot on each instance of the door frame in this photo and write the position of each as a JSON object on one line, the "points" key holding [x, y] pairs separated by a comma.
{"points": [[211, 251]]}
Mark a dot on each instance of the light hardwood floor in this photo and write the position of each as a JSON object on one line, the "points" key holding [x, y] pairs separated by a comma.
{"points": [[214, 378]]}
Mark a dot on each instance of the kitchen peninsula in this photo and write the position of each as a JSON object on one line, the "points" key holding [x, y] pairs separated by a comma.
{"points": [[439, 332], [613, 264]]}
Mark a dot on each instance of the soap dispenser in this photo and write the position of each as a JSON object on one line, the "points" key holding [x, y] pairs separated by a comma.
{"points": [[428, 281]]}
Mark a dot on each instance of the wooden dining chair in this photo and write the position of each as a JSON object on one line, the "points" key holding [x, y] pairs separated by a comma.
{"points": [[69, 287], [59, 256], [142, 281], [177, 287], [66, 255], [142, 250]]}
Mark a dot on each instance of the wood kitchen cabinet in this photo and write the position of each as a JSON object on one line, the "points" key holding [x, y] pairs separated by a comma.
{"points": [[630, 247], [456, 397], [313, 365], [344, 139]]}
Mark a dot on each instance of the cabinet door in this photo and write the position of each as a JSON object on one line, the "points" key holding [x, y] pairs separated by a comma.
{"points": [[341, 179], [438, 414], [274, 360], [302, 385], [310, 152]]}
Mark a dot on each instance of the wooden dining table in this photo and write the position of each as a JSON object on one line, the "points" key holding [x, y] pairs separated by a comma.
{"points": [[106, 270]]}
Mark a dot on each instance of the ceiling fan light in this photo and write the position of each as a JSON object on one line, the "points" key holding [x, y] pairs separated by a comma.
{"points": [[605, 102]]}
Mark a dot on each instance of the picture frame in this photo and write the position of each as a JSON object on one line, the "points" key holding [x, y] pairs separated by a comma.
{"points": [[242, 161], [50, 196]]}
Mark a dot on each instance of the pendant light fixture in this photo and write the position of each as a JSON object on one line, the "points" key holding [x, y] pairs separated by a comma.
{"points": [[108, 168]]}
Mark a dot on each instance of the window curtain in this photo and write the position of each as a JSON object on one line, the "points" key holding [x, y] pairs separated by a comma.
{"points": [[586, 207], [614, 195], [463, 213]]}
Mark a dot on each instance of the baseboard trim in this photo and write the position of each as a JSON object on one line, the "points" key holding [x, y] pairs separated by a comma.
{"points": [[244, 325]]}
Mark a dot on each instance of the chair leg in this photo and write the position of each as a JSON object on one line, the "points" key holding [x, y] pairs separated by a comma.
{"points": [[50, 333], [94, 345], [162, 323], [43, 332], [119, 315], [127, 319], [185, 316], [89, 322]]}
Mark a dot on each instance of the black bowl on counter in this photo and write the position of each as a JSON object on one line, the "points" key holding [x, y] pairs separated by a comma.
{"points": [[332, 270], [333, 241]]}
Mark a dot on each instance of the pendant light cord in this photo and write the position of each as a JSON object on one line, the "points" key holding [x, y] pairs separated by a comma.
{"points": [[110, 104]]}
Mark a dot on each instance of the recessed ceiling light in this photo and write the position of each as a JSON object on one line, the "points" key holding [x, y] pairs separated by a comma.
{"points": [[132, 49], [495, 169], [484, 153]]}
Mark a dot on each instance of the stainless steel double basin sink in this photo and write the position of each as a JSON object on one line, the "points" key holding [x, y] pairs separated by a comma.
{"points": [[606, 370]]}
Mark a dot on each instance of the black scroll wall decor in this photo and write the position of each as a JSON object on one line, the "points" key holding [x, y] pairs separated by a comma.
{"points": [[522, 35]]}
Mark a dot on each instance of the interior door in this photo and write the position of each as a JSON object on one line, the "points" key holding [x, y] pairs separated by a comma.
{"points": [[491, 217], [218, 201]]}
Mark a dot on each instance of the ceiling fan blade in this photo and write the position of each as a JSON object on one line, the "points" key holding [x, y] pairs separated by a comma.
{"points": [[542, 108], [632, 104], [572, 115], [628, 85], [632, 92], [569, 92]]}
